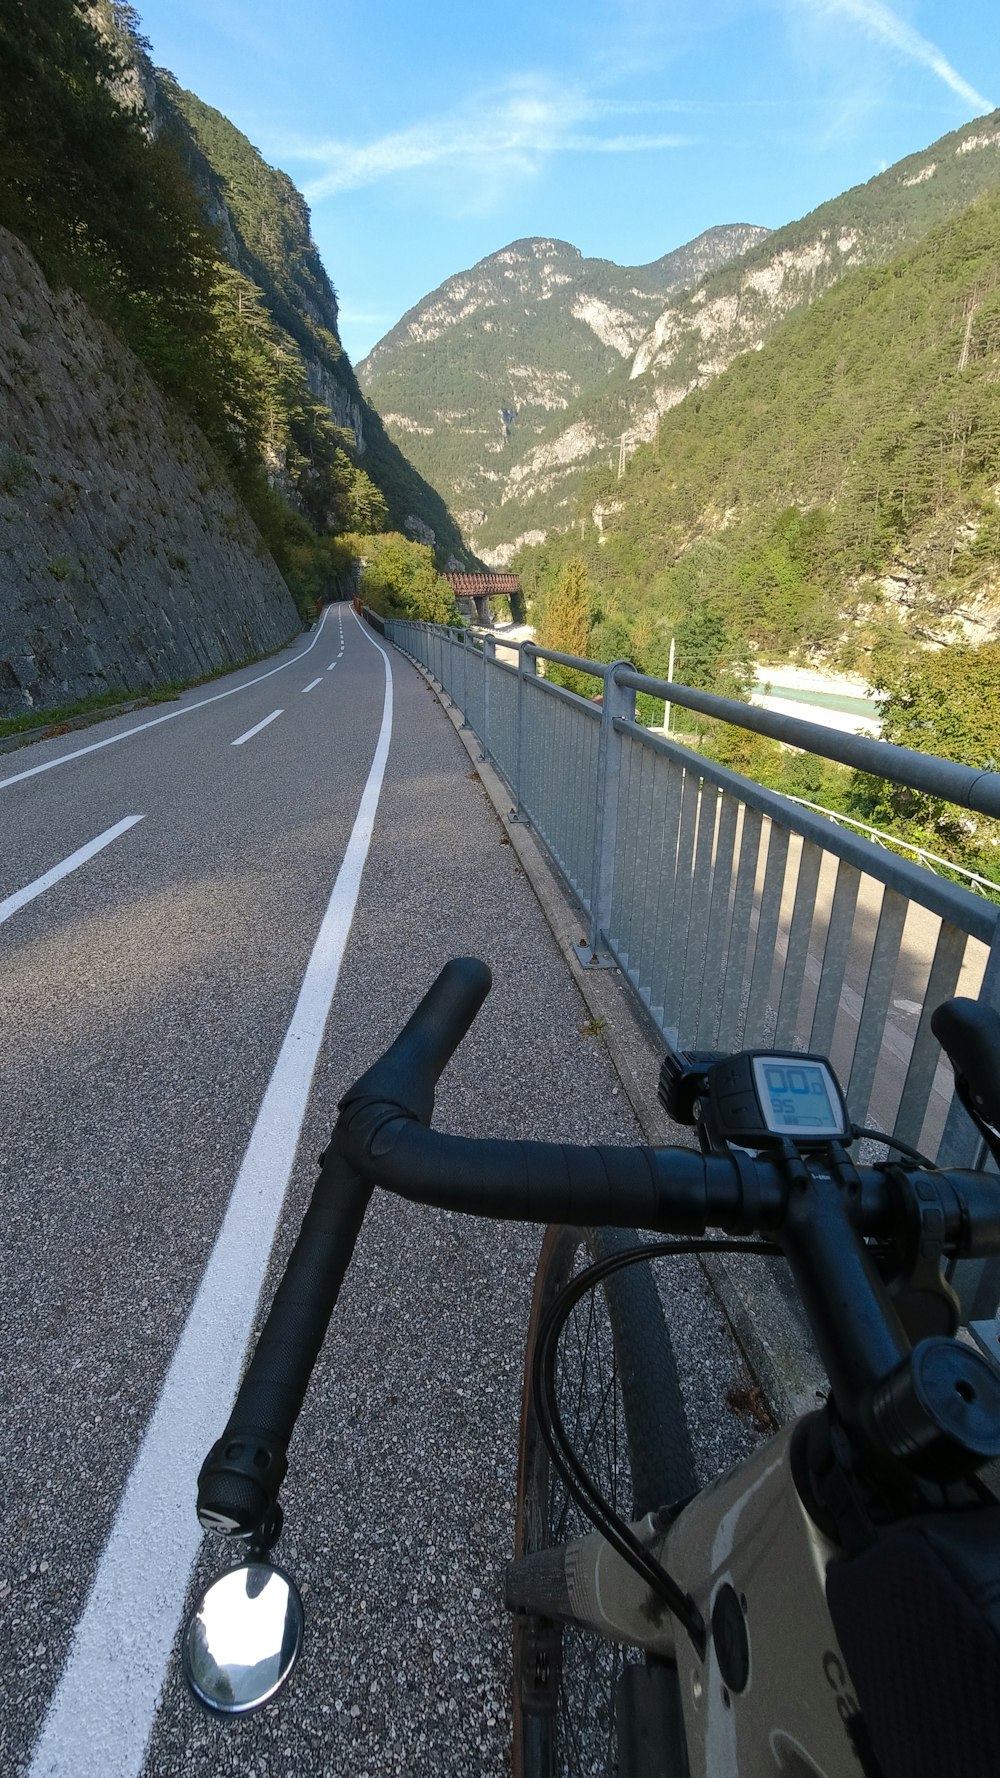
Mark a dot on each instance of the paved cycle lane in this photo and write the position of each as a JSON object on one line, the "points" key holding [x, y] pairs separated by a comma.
{"points": [[399, 1500]]}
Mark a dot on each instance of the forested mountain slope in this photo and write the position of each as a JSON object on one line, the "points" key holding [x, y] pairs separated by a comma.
{"points": [[197, 256], [280, 294], [534, 489], [836, 493], [470, 376]]}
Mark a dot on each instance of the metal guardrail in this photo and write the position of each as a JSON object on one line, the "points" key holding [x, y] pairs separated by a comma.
{"points": [[741, 918], [930, 860]]}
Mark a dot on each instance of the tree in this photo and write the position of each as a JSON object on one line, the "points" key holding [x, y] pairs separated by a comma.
{"points": [[565, 626], [399, 579], [947, 703]]}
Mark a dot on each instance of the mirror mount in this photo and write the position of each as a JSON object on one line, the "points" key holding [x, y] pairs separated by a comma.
{"points": [[243, 1635]]}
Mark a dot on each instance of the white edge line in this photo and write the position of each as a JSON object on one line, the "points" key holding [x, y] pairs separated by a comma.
{"points": [[99, 1721], [256, 728], [312, 685], [171, 715], [58, 871]]}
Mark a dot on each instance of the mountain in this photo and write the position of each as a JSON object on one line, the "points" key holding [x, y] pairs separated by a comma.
{"points": [[262, 222], [185, 455], [535, 486], [471, 376], [834, 493], [178, 236]]}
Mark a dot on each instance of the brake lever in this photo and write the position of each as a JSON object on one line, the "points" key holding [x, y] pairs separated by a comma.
{"points": [[969, 1033]]}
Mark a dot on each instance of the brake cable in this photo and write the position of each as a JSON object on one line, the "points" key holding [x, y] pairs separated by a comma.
{"points": [[579, 1485]]}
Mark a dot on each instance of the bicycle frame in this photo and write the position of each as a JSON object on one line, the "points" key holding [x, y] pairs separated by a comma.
{"points": [[777, 1698]]}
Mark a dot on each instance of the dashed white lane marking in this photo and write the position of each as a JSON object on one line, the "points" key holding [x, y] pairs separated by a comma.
{"points": [[312, 685], [58, 871], [256, 729], [331, 666], [171, 716], [100, 1718]]}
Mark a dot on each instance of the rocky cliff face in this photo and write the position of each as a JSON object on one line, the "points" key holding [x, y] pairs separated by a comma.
{"points": [[470, 378], [264, 232], [528, 480], [126, 560]]}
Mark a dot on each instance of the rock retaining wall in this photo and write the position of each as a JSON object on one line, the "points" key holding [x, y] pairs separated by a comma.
{"points": [[126, 559]]}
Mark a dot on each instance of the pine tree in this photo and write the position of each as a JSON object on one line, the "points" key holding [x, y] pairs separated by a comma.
{"points": [[566, 625]]}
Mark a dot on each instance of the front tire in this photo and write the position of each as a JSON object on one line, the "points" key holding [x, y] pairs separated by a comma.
{"points": [[621, 1405]]}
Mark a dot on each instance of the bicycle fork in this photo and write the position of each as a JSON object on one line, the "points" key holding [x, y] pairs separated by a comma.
{"points": [[771, 1692]]}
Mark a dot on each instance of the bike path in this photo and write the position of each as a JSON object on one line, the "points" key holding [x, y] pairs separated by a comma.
{"points": [[145, 998], [148, 1003]]}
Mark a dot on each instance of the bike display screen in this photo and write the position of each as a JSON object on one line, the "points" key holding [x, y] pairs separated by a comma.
{"points": [[798, 1097]]}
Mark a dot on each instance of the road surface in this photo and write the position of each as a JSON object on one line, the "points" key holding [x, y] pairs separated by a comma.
{"points": [[213, 916]]}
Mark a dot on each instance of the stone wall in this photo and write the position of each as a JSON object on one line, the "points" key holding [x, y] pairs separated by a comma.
{"points": [[126, 560]]}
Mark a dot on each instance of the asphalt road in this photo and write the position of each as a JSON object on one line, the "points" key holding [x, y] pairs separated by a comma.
{"points": [[150, 993]]}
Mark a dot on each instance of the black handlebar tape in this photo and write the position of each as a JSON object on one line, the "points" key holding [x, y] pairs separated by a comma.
{"points": [[240, 1478], [673, 1190], [554, 1182], [412, 1066], [969, 1033]]}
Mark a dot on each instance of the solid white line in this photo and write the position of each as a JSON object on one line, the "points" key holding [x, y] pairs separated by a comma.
{"points": [[112, 740], [311, 686], [73, 862], [102, 1712], [256, 729]]}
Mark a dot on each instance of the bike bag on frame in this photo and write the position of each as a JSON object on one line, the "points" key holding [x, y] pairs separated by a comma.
{"points": [[917, 1617]]}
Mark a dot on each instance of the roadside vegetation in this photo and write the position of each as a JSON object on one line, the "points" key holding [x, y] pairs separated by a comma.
{"points": [[832, 500], [105, 172], [399, 579]]}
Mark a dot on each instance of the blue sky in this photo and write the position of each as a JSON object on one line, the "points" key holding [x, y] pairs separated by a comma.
{"points": [[426, 136]]}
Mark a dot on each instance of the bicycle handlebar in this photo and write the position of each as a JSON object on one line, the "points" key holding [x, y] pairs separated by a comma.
{"points": [[239, 1481], [820, 1214]]}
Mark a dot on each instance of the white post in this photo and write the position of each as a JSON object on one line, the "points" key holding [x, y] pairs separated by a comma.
{"points": [[670, 676]]}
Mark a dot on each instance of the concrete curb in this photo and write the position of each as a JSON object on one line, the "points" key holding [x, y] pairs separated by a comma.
{"points": [[757, 1294], [66, 726], [141, 701]]}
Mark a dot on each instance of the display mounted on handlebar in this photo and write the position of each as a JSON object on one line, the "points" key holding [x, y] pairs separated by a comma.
{"points": [[757, 1098]]}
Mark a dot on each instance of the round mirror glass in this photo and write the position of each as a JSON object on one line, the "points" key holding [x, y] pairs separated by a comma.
{"points": [[242, 1638]]}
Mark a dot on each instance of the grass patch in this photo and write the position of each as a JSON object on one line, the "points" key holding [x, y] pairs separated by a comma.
{"points": [[101, 701], [104, 702]]}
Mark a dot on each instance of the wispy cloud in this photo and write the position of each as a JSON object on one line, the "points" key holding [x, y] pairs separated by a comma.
{"points": [[878, 21], [500, 137]]}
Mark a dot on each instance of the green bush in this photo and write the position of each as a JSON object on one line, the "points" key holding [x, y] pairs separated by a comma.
{"points": [[399, 579]]}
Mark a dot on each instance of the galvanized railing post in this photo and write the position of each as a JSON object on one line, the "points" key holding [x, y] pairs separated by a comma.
{"points": [[617, 703], [489, 655], [527, 667]]}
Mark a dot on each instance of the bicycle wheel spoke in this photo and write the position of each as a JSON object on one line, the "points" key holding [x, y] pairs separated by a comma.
{"points": [[612, 1354]]}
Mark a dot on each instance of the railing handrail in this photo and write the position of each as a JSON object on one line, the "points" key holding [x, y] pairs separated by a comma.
{"points": [[968, 787], [950, 901], [714, 895]]}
